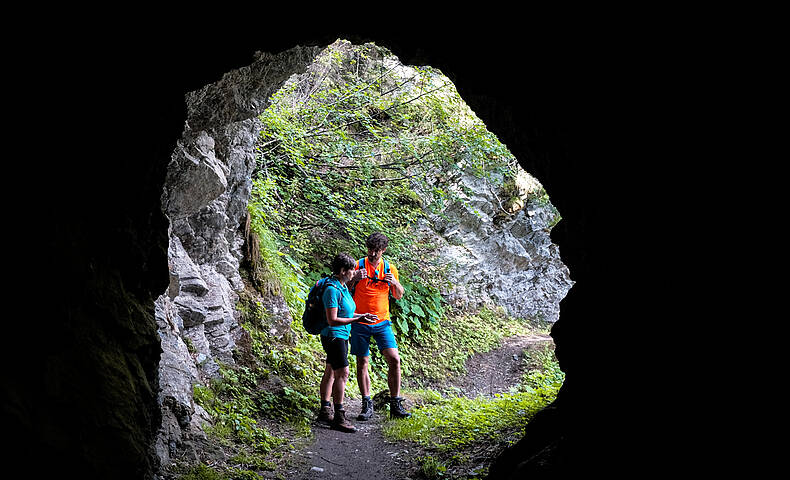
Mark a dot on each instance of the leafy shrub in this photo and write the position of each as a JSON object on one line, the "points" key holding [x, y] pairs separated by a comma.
{"points": [[420, 309]]}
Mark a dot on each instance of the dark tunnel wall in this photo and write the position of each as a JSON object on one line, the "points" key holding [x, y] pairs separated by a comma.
{"points": [[99, 254]]}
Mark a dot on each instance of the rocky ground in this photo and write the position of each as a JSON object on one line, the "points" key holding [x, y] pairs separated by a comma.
{"points": [[367, 454]]}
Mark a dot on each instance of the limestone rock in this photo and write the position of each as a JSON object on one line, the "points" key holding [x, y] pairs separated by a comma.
{"points": [[501, 257], [195, 176]]}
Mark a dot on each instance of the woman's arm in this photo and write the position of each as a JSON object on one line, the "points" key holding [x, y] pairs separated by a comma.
{"points": [[334, 321]]}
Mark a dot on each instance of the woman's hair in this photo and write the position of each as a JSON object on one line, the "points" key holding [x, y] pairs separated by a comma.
{"points": [[341, 261], [377, 241]]}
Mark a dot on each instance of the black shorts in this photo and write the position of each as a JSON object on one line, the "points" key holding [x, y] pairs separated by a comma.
{"points": [[336, 351]]}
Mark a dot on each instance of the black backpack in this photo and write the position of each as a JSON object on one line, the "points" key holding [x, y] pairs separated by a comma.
{"points": [[314, 316]]}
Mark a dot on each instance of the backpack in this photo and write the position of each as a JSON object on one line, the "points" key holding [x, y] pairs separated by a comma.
{"points": [[386, 264], [314, 316], [361, 264]]}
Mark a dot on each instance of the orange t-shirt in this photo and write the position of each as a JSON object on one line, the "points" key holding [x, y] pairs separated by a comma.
{"points": [[373, 297]]}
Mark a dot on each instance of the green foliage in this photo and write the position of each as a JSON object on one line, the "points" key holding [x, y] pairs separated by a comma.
{"points": [[430, 468], [356, 145], [544, 377], [247, 461], [419, 310], [274, 381], [201, 472], [231, 402], [297, 366], [276, 272]]}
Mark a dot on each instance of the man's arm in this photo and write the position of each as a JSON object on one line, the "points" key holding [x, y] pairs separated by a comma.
{"points": [[359, 274], [396, 288]]}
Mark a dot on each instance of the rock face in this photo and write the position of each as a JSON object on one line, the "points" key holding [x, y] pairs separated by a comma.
{"points": [[205, 198], [502, 254], [500, 257]]}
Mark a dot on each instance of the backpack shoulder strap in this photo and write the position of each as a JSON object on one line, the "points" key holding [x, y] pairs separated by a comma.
{"points": [[327, 283], [322, 284]]}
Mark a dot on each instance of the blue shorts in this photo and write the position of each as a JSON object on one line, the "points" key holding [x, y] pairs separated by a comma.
{"points": [[361, 333]]}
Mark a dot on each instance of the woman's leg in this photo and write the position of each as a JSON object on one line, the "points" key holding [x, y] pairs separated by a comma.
{"points": [[339, 386], [339, 422], [327, 382]]}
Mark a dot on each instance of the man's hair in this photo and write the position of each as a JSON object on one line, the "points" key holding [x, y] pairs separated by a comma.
{"points": [[377, 241], [341, 261]]}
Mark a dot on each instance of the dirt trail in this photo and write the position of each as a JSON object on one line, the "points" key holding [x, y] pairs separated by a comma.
{"points": [[496, 371], [367, 455]]}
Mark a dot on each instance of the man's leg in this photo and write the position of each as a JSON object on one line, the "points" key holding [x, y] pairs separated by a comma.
{"points": [[385, 339], [393, 370], [363, 377]]}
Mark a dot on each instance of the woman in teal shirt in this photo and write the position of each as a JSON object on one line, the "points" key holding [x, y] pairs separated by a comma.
{"points": [[340, 308]]}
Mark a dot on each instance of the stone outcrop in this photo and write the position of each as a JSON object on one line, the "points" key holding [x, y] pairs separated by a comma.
{"points": [[502, 254], [205, 198]]}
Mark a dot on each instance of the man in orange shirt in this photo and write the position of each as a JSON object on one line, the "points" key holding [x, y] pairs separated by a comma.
{"points": [[379, 279]]}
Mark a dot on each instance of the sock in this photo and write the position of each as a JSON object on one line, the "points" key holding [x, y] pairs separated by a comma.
{"points": [[324, 403], [366, 397], [338, 406]]}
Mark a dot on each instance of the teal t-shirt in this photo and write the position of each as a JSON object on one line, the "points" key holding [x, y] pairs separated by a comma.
{"points": [[338, 296]]}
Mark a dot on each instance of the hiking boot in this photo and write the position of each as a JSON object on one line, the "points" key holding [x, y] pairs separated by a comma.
{"points": [[367, 409], [396, 409], [326, 414], [340, 422]]}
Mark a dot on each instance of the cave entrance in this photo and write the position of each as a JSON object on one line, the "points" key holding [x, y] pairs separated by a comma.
{"points": [[301, 155]]}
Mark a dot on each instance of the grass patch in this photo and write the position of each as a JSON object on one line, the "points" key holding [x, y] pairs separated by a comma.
{"points": [[459, 436], [459, 422]]}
